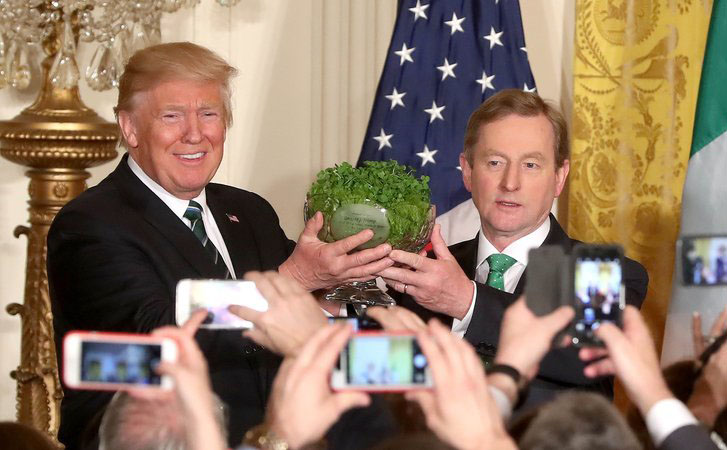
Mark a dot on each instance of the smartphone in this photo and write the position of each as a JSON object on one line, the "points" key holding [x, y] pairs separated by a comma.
{"points": [[215, 296], [115, 361], [703, 260], [380, 362], [598, 290], [547, 277]]}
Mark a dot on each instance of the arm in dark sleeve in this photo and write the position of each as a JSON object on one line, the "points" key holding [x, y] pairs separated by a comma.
{"points": [[100, 279], [693, 437]]}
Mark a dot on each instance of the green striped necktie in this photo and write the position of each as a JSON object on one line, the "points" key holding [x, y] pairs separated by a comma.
{"points": [[194, 215]]}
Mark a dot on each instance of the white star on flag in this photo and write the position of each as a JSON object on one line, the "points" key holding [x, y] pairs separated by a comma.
{"points": [[527, 89], [447, 69], [435, 112], [427, 156], [419, 11], [396, 98], [494, 38], [486, 81], [455, 24], [405, 54], [466, 51], [383, 139]]}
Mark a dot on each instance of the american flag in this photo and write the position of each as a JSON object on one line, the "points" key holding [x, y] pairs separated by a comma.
{"points": [[445, 58]]}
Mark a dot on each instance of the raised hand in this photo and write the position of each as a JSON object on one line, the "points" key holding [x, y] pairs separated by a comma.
{"points": [[630, 355], [302, 406], [459, 408], [293, 315]]}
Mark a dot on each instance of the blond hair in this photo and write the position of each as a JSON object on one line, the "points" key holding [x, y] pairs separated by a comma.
{"points": [[521, 103], [174, 61]]}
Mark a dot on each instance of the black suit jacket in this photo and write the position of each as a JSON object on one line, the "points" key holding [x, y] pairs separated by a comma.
{"points": [[115, 255], [561, 368], [693, 437]]}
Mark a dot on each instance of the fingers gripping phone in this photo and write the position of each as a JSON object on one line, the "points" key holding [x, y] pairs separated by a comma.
{"points": [[379, 362], [215, 296], [598, 291], [115, 361]]}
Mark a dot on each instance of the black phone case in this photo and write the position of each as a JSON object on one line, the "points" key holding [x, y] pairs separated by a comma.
{"points": [[580, 339], [544, 285]]}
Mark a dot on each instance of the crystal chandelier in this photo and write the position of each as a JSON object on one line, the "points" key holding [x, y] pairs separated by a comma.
{"points": [[118, 27]]}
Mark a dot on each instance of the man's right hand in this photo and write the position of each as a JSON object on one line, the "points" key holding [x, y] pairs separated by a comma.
{"points": [[439, 285], [525, 338], [302, 406], [459, 407], [292, 317], [318, 265], [631, 356], [709, 396]]}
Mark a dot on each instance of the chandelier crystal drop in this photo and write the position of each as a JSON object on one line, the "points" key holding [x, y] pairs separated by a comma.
{"points": [[118, 28]]}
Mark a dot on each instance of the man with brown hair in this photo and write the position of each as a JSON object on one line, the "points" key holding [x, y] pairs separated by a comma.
{"points": [[116, 253], [515, 163]]}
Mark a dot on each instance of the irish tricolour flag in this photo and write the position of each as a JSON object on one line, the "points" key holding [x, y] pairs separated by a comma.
{"points": [[704, 202]]}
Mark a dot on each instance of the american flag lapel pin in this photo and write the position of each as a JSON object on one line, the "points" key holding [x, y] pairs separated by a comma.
{"points": [[233, 218]]}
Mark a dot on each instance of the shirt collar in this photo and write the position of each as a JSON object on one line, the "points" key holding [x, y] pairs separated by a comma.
{"points": [[518, 249], [177, 205]]}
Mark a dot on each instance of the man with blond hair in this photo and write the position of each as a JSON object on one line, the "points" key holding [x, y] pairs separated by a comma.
{"points": [[116, 253]]}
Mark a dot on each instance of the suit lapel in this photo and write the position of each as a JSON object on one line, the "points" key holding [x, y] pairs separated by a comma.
{"points": [[158, 215], [466, 255]]}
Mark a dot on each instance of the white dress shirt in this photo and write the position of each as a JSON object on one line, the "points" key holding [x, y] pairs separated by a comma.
{"points": [[179, 206], [665, 417], [517, 250]]}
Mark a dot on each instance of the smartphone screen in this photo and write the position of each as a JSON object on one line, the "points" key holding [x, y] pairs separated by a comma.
{"points": [[215, 296], [113, 361], [120, 362], [704, 260], [598, 290], [379, 362]]}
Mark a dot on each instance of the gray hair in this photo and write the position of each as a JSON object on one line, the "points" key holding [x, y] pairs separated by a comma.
{"points": [[140, 424], [578, 420]]}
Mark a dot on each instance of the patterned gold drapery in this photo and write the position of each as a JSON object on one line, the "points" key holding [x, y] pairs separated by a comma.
{"points": [[636, 75]]}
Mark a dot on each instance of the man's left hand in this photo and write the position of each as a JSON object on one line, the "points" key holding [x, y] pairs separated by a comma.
{"points": [[439, 285], [318, 265]]}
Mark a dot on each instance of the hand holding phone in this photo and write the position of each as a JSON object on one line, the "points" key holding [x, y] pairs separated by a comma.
{"points": [[115, 361], [376, 362], [302, 387], [459, 408]]}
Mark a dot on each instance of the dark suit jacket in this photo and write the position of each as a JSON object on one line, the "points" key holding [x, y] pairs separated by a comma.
{"points": [[693, 437], [115, 255], [561, 368]]}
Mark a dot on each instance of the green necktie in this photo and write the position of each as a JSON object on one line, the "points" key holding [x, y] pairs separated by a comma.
{"points": [[194, 214], [499, 263]]}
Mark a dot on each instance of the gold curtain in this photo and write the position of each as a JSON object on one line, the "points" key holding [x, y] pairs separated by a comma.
{"points": [[636, 76]]}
